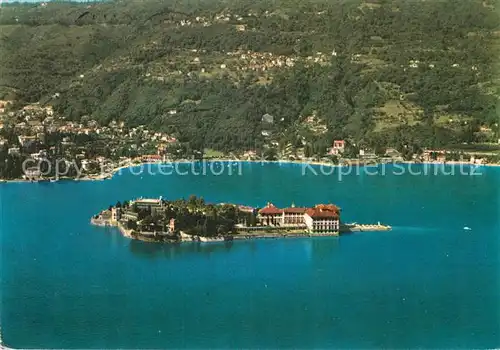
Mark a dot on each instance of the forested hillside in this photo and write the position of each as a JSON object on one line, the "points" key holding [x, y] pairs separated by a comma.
{"points": [[378, 73]]}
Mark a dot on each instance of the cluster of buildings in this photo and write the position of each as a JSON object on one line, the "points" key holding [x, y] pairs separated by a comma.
{"points": [[39, 134], [322, 218], [442, 156], [427, 156], [205, 22], [315, 124], [417, 63], [239, 60], [126, 216], [260, 61], [223, 17]]}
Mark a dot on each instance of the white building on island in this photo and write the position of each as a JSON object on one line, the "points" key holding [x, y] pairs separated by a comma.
{"points": [[322, 218]]}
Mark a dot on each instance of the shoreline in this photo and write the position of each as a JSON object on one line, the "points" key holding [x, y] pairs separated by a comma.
{"points": [[346, 229], [316, 222], [114, 171], [2, 344]]}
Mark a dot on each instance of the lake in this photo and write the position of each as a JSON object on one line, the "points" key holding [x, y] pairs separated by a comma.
{"points": [[427, 283]]}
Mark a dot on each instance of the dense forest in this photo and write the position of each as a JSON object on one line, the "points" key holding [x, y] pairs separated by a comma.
{"points": [[378, 73]]}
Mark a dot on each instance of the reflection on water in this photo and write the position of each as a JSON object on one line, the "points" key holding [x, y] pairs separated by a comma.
{"points": [[150, 250], [323, 247], [315, 248]]}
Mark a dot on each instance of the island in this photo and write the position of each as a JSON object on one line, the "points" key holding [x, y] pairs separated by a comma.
{"points": [[355, 82], [192, 219]]}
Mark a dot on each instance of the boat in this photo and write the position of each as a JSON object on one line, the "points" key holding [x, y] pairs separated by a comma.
{"points": [[53, 180], [213, 239], [466, 228]]}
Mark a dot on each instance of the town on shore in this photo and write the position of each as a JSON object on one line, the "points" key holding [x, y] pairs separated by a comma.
{"points": [[192, 219], [53, 148]]}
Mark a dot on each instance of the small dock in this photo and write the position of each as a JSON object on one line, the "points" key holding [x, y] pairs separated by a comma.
{"points": [[355, 227]]}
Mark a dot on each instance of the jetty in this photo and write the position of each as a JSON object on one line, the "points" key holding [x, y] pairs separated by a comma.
{"points": [[355, 227]]}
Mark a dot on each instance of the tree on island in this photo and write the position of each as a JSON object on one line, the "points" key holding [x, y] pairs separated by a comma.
{"points": [[148, 220], [252, 220], [135, 208], [131, 225], [195, 202]]}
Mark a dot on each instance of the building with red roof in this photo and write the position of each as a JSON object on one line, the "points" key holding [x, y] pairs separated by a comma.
{"points": [[338, 147], [293, 215], [271, 210], [151, 158], [323, 218], [320, 218], [270, 215]]}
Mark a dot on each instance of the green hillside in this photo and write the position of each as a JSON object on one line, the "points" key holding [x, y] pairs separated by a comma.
{"points": [[378, 73]]}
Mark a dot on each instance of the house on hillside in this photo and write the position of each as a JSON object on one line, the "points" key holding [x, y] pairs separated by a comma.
{"points": [[338, 147]]}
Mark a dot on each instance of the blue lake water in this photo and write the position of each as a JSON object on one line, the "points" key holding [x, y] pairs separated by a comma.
{"points": [[427, 283]]}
